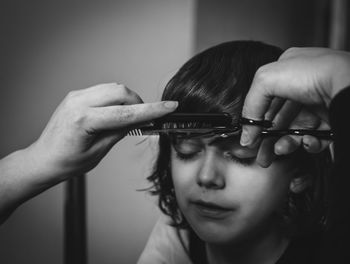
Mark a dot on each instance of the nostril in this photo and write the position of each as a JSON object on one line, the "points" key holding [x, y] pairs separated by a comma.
{"points": [[207, 184], [211, 176]]}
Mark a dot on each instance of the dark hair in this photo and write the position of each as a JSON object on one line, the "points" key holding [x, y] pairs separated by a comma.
{"points": [[217, 80]]}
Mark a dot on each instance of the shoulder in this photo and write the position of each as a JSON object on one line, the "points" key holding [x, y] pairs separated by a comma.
{"points": [[166, 244]]}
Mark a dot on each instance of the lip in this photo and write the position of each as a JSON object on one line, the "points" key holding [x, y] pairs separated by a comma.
{"points": [[211, 210]]}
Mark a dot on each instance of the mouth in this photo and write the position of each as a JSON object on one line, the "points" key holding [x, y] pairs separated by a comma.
{"points": [[211, 210]]}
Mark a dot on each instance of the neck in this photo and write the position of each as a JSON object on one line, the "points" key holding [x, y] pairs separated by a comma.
{"points": [[263, 249]]}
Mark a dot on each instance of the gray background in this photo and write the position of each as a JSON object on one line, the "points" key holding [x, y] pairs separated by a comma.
{"points": [[51, 47]]}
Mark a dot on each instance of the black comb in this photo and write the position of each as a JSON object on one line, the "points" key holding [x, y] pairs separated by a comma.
{"points": [[187, 124], [199, 124]]}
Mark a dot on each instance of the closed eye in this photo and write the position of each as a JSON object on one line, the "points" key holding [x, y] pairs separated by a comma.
{"points": [[186, 156], [243, 161], [187, 149]]}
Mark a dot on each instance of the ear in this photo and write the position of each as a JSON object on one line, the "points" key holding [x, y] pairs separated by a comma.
{"points": [[299, 184]]}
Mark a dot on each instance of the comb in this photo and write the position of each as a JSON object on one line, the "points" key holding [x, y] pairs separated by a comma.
{"points": [[205, 124], [187, 124]]}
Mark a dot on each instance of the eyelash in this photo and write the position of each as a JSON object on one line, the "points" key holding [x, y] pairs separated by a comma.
{"points": [[188, 157], [185, 157], [242, 161]]}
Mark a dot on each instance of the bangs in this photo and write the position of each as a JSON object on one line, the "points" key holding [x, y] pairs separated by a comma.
{"points": [[218, 79]]}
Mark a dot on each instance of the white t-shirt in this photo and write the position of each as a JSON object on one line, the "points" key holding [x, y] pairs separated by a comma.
{"points": [[166, 245]]}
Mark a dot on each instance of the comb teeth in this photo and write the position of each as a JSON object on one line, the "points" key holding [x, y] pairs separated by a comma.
{"points": [[145, 132], [135, 132], [186, 124]]}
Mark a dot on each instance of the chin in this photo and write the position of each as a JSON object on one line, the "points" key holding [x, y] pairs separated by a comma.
{"points": [[217, 235]]}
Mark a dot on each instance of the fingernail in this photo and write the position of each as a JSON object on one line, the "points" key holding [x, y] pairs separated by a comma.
{"points": [[170, 104], [277, 150], [245, 140]]}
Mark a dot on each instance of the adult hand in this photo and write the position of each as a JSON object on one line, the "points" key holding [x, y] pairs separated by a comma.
{"points": [[87, 124], [309, 77], [81, 131]]}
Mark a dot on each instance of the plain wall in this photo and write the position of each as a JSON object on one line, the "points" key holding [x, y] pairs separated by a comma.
{"points": [[51, 47], [284, 23]]}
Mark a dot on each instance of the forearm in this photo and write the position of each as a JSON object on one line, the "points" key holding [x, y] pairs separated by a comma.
{"points": [[20, 179]]}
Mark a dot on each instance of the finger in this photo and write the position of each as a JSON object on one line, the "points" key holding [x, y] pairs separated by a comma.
{"points": [[306, 120], [107, 94], [119, 117], [275, 106], [287, 145], [319, 111], [313, 144], [307, 52], [302, 120], [266, 153], [282, 119], [287, 114], [310, 143], [255, 106]]}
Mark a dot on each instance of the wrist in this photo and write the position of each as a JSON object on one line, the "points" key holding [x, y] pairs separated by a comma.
{"points": [[34, 173], [20, 180], [45, 169]]}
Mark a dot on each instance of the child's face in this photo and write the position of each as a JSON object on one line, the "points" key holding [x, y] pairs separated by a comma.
{"points": [[224, 195]]}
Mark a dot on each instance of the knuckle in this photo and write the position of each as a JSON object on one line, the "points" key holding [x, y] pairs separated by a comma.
{"points": [[122, 88], [71, 100], [262, 74], [78, 117], [136, 98], [290, 52], [73, 97], [72, 94], [124, 91]]}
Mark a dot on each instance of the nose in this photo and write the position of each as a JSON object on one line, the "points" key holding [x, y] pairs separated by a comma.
{"points": [[211, 174]]}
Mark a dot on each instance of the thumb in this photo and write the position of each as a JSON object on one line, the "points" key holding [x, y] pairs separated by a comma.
{"points": [[255, 106]]}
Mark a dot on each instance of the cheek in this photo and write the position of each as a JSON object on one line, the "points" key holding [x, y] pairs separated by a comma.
{"points": [[183, 176], [261, 190]]}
